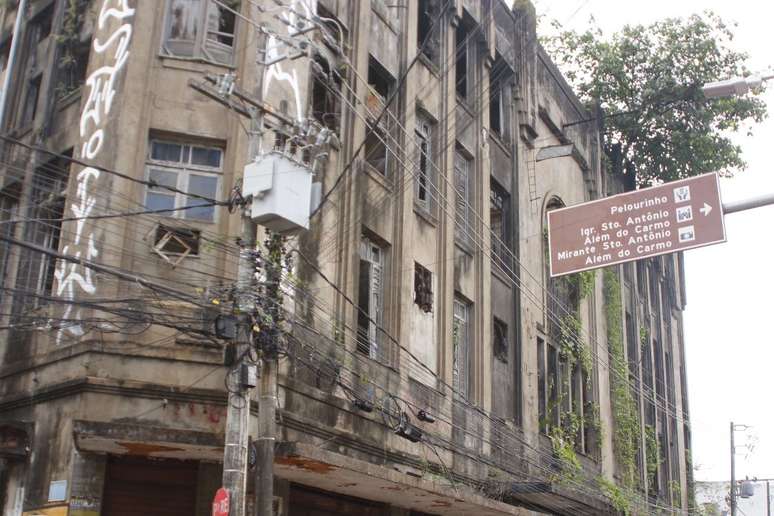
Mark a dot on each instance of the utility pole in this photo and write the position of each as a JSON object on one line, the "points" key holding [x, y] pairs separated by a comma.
{"points": [[733, 472], [267, 393]]}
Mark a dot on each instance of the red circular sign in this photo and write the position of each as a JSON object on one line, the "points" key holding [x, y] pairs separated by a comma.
{"points": [[220, 504]]}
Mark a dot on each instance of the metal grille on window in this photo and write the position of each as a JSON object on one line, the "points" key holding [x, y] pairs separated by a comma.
{"points": [[35, 278], [461, 345]]}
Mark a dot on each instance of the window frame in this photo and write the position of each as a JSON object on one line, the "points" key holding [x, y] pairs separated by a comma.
{"points": [[425, 177], [501, 246], [183, 171], [375, 255], [199, 50], [464, 232], [462, 345]]}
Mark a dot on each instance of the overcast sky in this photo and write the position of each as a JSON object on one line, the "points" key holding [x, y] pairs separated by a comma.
{"points": [[730, 314]]}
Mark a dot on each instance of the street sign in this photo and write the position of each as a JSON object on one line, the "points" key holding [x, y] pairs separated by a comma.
{"points": [[220, 504], [634, 225]]}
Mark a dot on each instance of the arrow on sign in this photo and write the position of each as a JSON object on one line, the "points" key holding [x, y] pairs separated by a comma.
{"points": [[706, 209]]}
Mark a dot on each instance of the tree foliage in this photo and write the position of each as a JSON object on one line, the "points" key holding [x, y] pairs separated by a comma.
{"points": [[647, 79]]}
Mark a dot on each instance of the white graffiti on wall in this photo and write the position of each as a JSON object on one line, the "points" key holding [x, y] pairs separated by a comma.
{"points": [[277, 48], [74, 278]]}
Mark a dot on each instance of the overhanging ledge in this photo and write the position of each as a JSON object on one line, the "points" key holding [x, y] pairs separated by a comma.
{"points": [[310, 465]]}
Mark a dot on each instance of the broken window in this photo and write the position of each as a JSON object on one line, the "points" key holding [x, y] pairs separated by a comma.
{"points": [[463, 186], [500, 340], [461, 341], [326, 85], [191, 168], [9, 206], [428, 29], [423, 288], [499, 75], [175, 244], [201, 29], [381, 84], [424, 180], [370, 297], [549, 383], [499, 216]]}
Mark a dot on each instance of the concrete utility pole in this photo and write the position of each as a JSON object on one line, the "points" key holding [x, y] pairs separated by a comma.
{"points": [[267, 393]]}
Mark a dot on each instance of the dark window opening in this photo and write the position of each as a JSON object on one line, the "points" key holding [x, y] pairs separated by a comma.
{"points": [[31, 97], [428, 33], [499, 75], [499, 217], [376, 148], [325, 94], [461, 66], [423, 288], [541, 384], [500, 340], [41, 25]]}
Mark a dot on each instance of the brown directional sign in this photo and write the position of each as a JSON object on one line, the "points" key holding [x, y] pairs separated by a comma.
{"points": [[649, 222]]}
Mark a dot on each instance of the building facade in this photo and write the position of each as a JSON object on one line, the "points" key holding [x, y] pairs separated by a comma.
{"points": [[428, 365]]}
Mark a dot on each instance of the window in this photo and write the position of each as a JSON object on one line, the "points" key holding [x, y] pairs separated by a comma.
{"points": [[500, 340], [464, 52], [549, 381], [9, 204], [499, 217], [463, 186], [461, 341], [370, 297], [428, 33], [30, 106], [499, 74], [381, 85], [74, 47], [424, 181], [201, 29], [188, 167], [35, 278], [326, 85], [423, 288], [175, 244]]}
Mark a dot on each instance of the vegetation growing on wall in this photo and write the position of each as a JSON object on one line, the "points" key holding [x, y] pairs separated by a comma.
{"points": [[626, 422]]}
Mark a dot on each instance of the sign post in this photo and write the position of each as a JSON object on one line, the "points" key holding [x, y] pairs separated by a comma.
{"points": [[220, 504], [634, 225]]}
